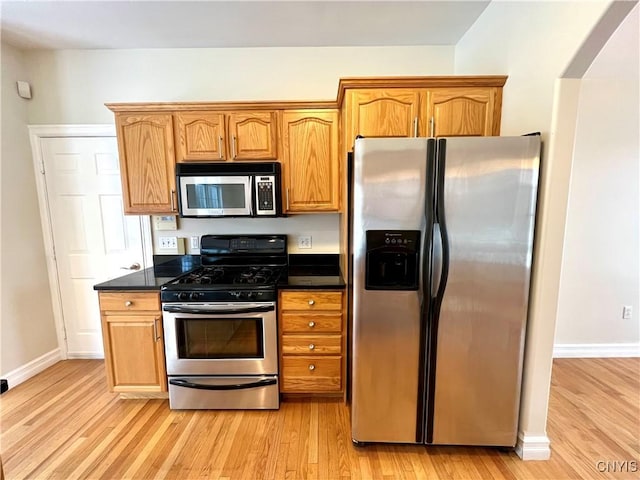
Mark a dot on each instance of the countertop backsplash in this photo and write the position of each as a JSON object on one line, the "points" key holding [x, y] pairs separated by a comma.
{"points": [[322, 228]]}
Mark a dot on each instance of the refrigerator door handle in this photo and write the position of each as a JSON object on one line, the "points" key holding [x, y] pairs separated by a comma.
{"points": [[442, 224], [436, 265]]}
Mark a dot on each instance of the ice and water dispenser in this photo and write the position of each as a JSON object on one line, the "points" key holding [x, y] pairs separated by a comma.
{"points": [[392, 259]]}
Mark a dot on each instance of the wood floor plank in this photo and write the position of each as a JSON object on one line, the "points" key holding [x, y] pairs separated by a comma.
{"points": [[64, 424]]}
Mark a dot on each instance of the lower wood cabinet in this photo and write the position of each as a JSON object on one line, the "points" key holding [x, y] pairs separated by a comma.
{"points": [[311, 341], [133, 341]]}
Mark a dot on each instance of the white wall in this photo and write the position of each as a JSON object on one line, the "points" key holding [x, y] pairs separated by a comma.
{"points": [[600, 267], [26, 316], [72, 86], [533, 43]]}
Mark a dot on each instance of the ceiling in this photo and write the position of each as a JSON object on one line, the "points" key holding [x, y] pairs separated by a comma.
{"points": [[187, 24]]}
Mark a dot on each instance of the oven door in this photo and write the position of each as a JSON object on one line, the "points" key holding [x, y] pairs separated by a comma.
{"points": [[215, 196], [220, 338]]}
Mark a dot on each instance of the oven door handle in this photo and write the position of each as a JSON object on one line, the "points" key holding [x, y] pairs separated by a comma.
{"points": [[178, 382], [204, 311]]}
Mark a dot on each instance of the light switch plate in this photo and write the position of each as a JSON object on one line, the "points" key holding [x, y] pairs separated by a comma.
{"points": [[171, 245]]}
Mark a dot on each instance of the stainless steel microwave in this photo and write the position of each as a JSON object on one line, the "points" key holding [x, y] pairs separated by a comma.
{"points": [[230, 189]]}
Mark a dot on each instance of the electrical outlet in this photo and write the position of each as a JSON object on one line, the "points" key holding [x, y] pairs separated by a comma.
{"points": [[304, 241], [195, 243], [627, 312]]}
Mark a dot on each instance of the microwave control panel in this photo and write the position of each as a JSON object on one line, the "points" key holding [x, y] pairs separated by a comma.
{"points": [[265, 195]]}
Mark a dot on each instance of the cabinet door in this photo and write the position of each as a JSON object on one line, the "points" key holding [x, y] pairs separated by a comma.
{"points": [[134, 352], [392, 112], [310, 160], [200, 137], [145, 145], [463, 112], [252, 135]]}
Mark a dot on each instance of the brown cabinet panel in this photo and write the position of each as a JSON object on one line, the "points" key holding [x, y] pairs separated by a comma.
{"points": [[145, 144], [125, 301], [462, 111], [200, 137], [310, 160], [386, 112], [311, 344], [311, 322], [312, 341], [311, 374], [253, 136], [133, 341], [311, 300]]}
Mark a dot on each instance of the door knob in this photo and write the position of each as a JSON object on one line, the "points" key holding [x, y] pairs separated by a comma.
{"points": [[133, 266]]}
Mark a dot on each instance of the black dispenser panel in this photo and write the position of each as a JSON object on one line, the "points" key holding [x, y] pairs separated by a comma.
{"points": [[393, 260]]}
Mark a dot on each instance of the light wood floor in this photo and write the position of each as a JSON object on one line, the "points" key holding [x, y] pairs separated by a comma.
{"points": [[64, 424]]}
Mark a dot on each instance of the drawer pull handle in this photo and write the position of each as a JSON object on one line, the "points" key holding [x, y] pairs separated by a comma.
{"points": [[312, 324], [128, 303], [312, 367], [311, 302], [311, 346]]}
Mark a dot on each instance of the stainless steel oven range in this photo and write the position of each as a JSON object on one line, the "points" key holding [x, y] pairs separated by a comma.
{"points": [[220, 325]]}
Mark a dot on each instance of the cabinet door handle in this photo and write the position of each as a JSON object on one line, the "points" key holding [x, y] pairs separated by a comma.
{"points": [[128, 303], [220, 145], [173, 203], [312, 367], [312, 324], [155, 329], [287, 198], [432, 124], [233, 147], [312, 346], [415, 127], [312, 302]]}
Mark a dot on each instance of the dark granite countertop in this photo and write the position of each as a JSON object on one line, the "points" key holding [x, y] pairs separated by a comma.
{"points": [[165, 269], [316, 271], [313, 271]]}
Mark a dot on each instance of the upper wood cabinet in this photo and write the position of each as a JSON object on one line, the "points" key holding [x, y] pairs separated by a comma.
{"points": [[462, 112], [310, 160], [383, 112], [220, 136], [145, 146]]}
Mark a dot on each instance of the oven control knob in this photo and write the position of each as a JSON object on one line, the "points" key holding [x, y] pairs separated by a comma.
{"points": [[183, 296], [251, 295], [194, 296]]}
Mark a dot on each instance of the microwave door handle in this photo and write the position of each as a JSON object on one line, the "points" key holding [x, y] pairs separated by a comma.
{"points": [[214, 311]]}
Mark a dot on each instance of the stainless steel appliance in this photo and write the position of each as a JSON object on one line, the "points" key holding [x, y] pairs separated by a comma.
{"points": [[229, 189], [441, 243], [220, 325]]}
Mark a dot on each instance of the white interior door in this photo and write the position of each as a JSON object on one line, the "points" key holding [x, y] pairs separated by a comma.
{"points": [[93, 240]]}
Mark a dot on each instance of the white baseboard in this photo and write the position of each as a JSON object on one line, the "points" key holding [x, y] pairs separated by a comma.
{"points": [[596, 350], [25, 372], [85, 355], [531, 447]]}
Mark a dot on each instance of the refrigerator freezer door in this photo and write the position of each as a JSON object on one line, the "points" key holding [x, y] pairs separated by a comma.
{"points": [[490, 190], [389, 180]]}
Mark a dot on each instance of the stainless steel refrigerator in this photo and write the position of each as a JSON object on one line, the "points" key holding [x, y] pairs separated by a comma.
{"points": [[441, 237]]}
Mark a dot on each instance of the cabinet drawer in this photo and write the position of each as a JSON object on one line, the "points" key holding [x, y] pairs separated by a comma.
{"points": [[312, 344], [311, 322], [129, 301], [310, 300], [311, 374]]}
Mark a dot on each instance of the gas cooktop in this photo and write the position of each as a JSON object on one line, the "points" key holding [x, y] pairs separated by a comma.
{"points": [[233, 268]]}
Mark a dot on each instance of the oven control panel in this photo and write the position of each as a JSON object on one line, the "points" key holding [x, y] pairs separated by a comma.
{"points": [[234, 295]]}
